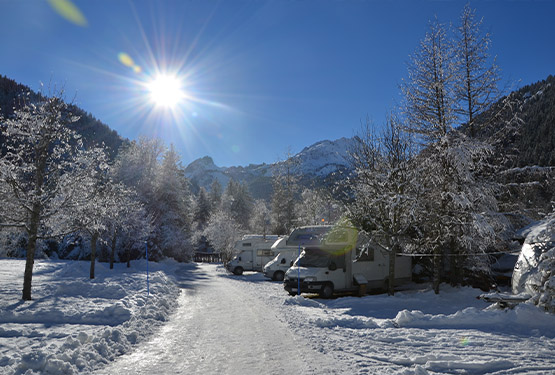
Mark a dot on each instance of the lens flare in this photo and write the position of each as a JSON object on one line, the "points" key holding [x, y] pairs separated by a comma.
{"points": [[125, 59], [69, 11]]}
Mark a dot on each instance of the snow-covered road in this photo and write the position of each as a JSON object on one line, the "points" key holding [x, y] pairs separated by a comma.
{"points": [[220, 327], [248, 325], [199, 319]]}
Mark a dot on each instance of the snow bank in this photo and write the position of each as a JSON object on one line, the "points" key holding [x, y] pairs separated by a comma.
{"points": [[524, 319], [302, 301], [74, 324]]}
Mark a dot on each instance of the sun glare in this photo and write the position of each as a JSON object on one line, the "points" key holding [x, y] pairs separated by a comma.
{"points": [[166, 90]]}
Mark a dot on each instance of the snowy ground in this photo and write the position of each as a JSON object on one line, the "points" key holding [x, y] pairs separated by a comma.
{"points": [[198, 319]]}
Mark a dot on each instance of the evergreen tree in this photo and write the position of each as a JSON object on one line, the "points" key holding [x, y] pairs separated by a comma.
{"points": [[285, 188], [202, 209], [260, 218], [173, 208], [215, 195]]}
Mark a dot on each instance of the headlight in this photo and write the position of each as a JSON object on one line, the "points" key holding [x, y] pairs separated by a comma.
{"points": [[310, 279]]}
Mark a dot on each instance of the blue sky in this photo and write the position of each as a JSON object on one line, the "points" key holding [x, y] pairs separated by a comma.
{"points": [[260, 77]]}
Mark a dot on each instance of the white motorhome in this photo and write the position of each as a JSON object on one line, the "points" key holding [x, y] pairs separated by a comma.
{"points": [[253, 252], [539, 239], [288, 249], [343, 263]]}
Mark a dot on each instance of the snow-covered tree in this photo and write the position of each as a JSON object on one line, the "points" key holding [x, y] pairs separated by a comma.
{"points": [[385, 188], [477, 79], [129, 225], [202, 209], [215, 195], [458, 204], [95, 203], [173, 211], [260, 218], [318, 206], [222, 232], [41, 171], [285, 188], [238, 203], [157, 176], [428, 93], [137, 167]]}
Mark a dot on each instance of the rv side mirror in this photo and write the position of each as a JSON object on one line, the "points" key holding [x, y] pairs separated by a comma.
{"points": [[283, 261], [239, 258], [332, 266]]}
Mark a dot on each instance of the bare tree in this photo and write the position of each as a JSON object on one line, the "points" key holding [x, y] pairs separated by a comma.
{"points": [[428, 92], [222, 232], [41, 171], [385, 188], [476, 87]]}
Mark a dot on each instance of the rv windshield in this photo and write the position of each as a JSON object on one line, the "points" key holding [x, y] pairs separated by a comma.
{"points": [[307, 236], [312, 259]]}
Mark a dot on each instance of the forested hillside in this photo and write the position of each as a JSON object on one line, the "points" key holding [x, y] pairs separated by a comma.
{"points": [[523, 128], [522, 133], [14, 95]]}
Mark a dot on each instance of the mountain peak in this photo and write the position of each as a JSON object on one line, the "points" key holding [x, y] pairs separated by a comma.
{"points": [[206, 163]]}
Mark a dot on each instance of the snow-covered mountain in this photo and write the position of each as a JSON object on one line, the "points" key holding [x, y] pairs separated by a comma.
{"points": [[325, 157], [313, 163]]}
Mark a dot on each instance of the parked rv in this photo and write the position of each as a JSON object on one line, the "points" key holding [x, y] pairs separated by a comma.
{"points": [[253, 252], [288, 249], [539, 239], [343, 262]]}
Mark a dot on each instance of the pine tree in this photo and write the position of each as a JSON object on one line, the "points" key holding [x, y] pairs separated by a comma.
{"points": [[215, 195], [202, 209], [173, 207], [285, 188], [260, 218]]}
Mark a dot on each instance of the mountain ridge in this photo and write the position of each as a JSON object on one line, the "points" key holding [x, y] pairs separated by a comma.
{"points": [[314, 164]]}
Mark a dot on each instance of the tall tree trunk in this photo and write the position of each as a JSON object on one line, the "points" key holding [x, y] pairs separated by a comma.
{"points": [[34, 226], [112, 254], [436, 278], [392, 258], [94, 238], [454, 264], [31, 247]]}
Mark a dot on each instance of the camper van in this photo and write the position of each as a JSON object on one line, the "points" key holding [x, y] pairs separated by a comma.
{"points": [[343, 262], [253, 252], [288, 249]]}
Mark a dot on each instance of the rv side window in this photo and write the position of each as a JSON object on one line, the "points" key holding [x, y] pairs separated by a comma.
{"points": [[265, 252], [247, 244], [365, 255]]}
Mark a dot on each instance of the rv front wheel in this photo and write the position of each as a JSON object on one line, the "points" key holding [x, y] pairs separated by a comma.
{"points": [[278, 276], [238, 271], [326, 291]]}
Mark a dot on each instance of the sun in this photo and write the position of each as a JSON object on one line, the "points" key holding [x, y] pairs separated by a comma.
{"points": [[166, 90]]}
